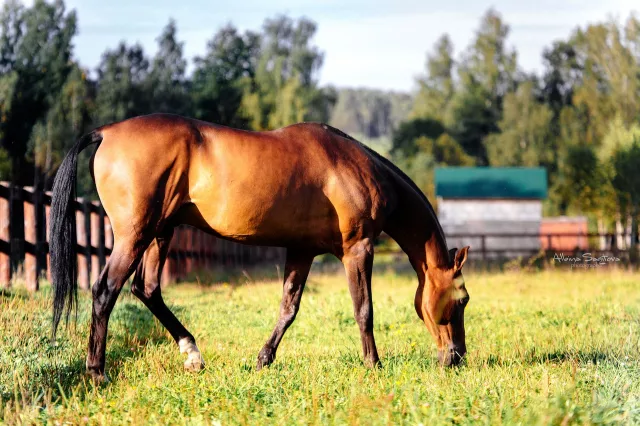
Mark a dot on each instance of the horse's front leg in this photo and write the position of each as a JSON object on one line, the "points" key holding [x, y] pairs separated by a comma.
{"points": [[358, 264], [296, 270]]}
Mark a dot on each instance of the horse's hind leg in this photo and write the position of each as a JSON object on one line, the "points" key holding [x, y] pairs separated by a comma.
{"points": [[296, 270], [124, 258], [146, 286]]}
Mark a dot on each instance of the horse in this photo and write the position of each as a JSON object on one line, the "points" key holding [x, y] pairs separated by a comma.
{"points": [[307, 187]]}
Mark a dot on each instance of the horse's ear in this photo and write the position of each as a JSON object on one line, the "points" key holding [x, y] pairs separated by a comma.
{"points": [[452, 253], [461, 257]]}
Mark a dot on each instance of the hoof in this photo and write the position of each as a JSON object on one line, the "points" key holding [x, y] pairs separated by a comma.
{"points": [[98, 378], [194, 360], [265, 358], [372, 363], [194, 363], [452, 356]]}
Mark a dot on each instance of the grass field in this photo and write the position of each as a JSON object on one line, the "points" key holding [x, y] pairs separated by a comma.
{"points": [[546, 348]]}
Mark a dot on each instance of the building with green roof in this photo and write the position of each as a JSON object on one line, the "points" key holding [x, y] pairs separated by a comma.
{"points": [[492, 201]]}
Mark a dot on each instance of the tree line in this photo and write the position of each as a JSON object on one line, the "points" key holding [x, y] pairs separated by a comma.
{"points": [[253, 80], [580, 118]]}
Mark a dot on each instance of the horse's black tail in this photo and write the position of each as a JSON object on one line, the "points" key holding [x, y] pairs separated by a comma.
{"points": [[62, 232]]}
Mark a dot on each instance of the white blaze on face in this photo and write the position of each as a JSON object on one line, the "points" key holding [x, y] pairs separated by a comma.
{"points": [[459, 291]]}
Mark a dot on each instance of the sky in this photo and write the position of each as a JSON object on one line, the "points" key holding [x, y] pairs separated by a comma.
{"points": [[367, 43]]}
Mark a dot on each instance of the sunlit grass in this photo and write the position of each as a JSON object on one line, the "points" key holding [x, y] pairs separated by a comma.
{"points": [[546, 348]]}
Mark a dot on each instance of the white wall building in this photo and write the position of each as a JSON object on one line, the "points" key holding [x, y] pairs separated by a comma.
{"points": [[490, 204]]}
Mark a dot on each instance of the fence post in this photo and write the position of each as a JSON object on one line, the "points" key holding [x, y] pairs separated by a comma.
{"points": [[5, 238], [41, 232], [47, 257], [108, 237], [102, 256], [16, 224], [483, 245], [81, 238], [30, 240], [94, 223], [86, 210]]}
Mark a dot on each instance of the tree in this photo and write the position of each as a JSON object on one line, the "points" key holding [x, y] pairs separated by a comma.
{"points": [[286, 76], [373, 114], [166, 81], [582, 183], [562, 75], [35, 61], [524, 131], [66, 120], [121, 91], [404, 143], [419, 168], [444, 150], [486, 73], [224, 76], [626, 182], [437, 86]]}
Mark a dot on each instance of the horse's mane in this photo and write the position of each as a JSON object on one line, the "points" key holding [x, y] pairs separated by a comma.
{"points": [[399, 173]]}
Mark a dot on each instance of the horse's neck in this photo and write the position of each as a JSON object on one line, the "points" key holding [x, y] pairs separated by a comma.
{"points": [[415, 227]]}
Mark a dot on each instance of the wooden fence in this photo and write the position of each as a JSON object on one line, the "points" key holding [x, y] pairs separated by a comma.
{"points": [[24, 242], [483, 246]]}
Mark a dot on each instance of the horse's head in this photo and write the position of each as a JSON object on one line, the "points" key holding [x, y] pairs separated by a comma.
{"points": [[441, 306]]}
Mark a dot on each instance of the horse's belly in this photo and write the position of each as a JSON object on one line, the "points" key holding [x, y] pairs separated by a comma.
{"points": [[279, 221]]}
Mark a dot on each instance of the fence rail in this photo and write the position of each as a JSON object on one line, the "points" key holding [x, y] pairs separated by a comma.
{"points": [[24, 242], [567, 243]]}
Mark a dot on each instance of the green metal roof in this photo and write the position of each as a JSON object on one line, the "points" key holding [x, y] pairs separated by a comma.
{"points": [[491, 182]]}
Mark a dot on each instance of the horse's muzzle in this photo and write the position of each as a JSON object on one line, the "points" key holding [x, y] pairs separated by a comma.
{"points": [[451, 356]]}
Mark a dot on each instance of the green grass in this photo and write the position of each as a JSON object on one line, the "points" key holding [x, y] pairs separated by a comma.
{"points": [[546, 348]]}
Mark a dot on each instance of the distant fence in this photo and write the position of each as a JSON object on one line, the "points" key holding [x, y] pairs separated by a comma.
{"points": [[24, 242], [505, 246]]}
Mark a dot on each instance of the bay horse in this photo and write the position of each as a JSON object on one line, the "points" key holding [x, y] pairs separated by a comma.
{"points": [[308, 187]]}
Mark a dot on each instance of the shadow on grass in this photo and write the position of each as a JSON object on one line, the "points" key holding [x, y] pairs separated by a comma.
{"points": [[6, 293], [323, 264], [235, 275], [132, 330], [423, 361], [582, 357], [554, 357]]}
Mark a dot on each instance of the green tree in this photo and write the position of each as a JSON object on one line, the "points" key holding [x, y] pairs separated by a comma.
{"points": [[373, 114], [404, 143], [626, 181], [437, 86], [582, 183], [35, 61], [121, 91], [524, 131], [487, 73], [66, 120], [286, 76], [562, 75], [444, 150], [224, 76], [419, 168], [166, 82]]}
